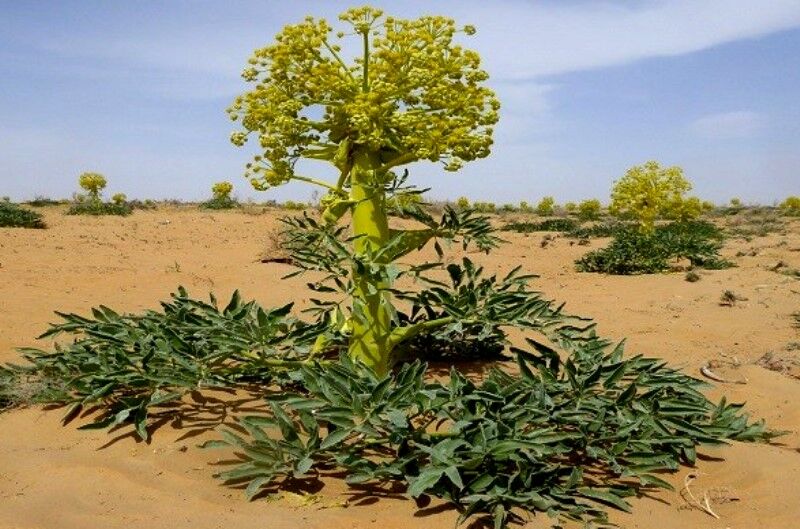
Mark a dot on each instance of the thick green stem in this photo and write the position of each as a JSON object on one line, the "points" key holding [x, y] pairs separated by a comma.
{"points": [[371, 322]]}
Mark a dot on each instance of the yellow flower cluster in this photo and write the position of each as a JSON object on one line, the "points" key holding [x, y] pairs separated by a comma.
{"points": [[93, 183], [791, 206], [546, 206], [648, 192], [222, 190], [589, 209], [411, 94]]}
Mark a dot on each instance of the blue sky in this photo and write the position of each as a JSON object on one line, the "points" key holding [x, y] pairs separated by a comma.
{"points": [[137, 91]]}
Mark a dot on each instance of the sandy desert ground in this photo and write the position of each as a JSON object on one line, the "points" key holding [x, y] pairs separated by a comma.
{"points": [[54, 477]]}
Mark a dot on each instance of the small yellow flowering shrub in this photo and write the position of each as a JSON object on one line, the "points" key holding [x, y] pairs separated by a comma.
{"points": [[648, 192], [570, 207], [462, 203], [119, 198], [689, 209], [546, 207], [222, 190], [589, 209], [791, 206], [92, 183]]}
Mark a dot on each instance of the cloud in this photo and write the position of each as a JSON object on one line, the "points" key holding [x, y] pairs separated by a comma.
{"points": [[527, 40], [518, 39], [728, 125]]}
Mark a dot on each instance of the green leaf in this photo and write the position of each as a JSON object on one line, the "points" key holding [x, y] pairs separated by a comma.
{"points": [[334, 438], [454, 476], [424, 481], [609, 498]]}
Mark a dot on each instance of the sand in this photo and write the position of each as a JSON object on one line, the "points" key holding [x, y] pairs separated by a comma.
{"points": [[58, 477]]}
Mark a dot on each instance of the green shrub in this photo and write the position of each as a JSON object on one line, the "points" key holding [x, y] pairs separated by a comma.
{"points": [[707, 206], [546, 207], [291, 205], [147, 204], [462, 203], [14, 216], [498, 444], [791, 206], [589, 209], [635, 252], [221, 197], [119, 198], [484, 207], [220, 203], [96, 207], [603, 229], [564, 225], [40, 201]]}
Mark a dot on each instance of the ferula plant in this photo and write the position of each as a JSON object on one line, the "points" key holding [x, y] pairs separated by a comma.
{"points": [[648, 192], [589, 209], [580, 427], [222, 190], [92, 183], [411, 94], [791, 206], [546, 207]]}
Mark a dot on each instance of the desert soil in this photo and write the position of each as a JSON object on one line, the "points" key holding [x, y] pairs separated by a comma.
{"points": [[57, 477]]}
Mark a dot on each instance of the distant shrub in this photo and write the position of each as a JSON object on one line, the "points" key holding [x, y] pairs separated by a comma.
{"points": [[41, 201], [143, 204], [546, 207], [222, 190], [401, 203], [92, 183], [692, 276], [484, 207], [221, 197], [648, 192], [604, 229], [524, 207], [791, 206], [14, 216], [91, 203], [119, 198], [97, 207], [736, 202], [508, 208], [570, 207], [563, 225], [635, 252], [462, 203], [589, 209], [708, 206], [294, 206]]}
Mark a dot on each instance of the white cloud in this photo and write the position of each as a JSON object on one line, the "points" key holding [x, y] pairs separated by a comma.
{"points": [[517, 38], [728, 125], [525, 39]]}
